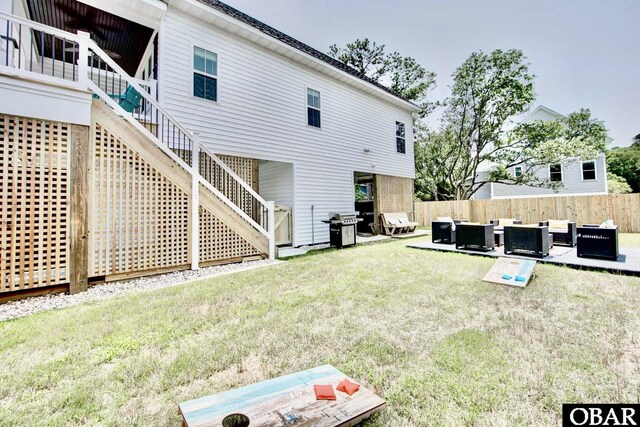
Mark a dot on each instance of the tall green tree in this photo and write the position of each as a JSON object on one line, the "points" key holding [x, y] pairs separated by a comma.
{"points": [[489, 91], [625, 163], [402, 74]]}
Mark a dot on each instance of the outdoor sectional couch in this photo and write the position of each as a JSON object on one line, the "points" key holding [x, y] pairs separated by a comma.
{"points": [[596, 242], [527, 240], [564, 232], [444, 230], [475, 236]]}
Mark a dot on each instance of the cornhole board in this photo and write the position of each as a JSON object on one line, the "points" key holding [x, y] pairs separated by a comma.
{"points": [[285, 401], [512, 267]]}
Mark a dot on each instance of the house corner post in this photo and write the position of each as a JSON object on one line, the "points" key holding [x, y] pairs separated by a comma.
{"points": [[80, 162], [195, 203]]}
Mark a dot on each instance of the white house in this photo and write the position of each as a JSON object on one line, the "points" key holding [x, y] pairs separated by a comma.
{"points": [[194, 119], [578, 177]]}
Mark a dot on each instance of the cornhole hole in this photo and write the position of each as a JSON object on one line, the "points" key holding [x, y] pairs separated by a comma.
{"points": [[511, 271], [286, 400]]}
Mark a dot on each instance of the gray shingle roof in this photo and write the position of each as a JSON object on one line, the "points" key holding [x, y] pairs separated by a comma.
{"points": [[279, 35]]}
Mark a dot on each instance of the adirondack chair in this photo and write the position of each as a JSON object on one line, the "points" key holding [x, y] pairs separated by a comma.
{"points": [[129, 100]]}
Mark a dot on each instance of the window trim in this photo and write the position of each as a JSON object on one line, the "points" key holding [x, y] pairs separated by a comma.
{"points": [[307, 106], [216, 76], [561, 172], [595, 169], [515, 171], [404, 138]]}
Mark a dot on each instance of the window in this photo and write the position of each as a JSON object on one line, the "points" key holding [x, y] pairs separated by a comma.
{"points": [[555, 173], [313, 108], [589, 170], [517, 171], [400, 141], [205, 74]]}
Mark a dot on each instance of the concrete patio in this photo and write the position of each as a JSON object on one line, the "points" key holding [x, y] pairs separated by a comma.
{"points": [[628, 262]]}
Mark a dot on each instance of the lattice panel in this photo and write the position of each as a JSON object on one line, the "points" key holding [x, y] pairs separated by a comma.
{"points": [[34, 197], [140, 218], [219, 242]]}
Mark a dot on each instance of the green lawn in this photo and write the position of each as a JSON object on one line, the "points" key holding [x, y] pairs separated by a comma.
{"points": [[418, 327]]}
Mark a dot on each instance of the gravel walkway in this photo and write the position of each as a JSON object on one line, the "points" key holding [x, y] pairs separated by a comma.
{"points": [[28, 306]]}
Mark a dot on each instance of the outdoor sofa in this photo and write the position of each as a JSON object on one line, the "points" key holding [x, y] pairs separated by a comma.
{"points": [[597, 241], [504, 222], [443, 230], [396, 223], [564, 231], [475, 236], [527, 240]]}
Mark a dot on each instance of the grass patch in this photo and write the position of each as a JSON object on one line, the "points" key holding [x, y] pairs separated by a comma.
{"points": [[420, 328]]}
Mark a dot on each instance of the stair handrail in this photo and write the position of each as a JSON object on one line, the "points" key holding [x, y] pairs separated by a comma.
{"points": [[114, 105], [133, 83]]}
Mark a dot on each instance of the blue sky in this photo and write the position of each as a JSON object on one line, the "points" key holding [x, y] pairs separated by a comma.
{"points": [[584, 53]]}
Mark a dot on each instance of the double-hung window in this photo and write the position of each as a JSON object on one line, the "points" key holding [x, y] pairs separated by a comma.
{"points": [[313, 108], [517, 171], [400, 138], [205, 74], [589, 171], [555, 173]]}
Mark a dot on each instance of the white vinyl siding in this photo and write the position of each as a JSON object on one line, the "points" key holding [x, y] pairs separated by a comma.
{"points": [[262, 114]]}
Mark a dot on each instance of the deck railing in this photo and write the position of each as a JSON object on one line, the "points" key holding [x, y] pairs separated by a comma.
{"points": [[27, 48], [37, 51]]}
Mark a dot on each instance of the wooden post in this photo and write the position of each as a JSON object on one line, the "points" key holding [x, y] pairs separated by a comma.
{"points": [[271, 229], [195, 203], [83, 59], [79, 154]]}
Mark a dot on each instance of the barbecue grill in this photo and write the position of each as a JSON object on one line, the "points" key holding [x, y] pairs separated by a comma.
{"points": [[342, 228]]}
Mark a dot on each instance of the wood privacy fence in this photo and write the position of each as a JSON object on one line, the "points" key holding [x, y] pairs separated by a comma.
{"points": [[623, 209]]}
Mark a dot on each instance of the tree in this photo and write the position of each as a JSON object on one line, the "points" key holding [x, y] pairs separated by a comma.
{"points": [[636, 141], [402, 74], [617, 184], [489, 91], [625, 163], [367, 58]]}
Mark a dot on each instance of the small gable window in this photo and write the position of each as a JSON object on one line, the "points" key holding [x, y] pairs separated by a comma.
{"points": [[517, 171], [205, 74], [400, 139], [313, 108], [555, 173], [589, 171]]}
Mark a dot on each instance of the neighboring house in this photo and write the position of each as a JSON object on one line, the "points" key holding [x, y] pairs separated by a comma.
{"points": [[577, 177], [274, 120]]}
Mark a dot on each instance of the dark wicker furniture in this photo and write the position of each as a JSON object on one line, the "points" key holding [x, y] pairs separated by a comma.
{"points": [[596, 242], [475, 236], [563, 237], [496, 223], [442, 231], [527, 241]]}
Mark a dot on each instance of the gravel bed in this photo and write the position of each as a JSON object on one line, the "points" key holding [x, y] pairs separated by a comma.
{"points": [[28, 306]]}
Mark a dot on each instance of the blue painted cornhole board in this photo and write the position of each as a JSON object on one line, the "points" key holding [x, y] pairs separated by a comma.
{"points": [[507, 271], [285, 401]]}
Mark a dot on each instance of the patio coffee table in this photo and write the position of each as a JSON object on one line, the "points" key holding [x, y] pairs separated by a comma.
{"points": [[287, 400]]}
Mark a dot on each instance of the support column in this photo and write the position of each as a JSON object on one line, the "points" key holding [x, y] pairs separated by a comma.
{"points": [[195, 203], [79, 155]]}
